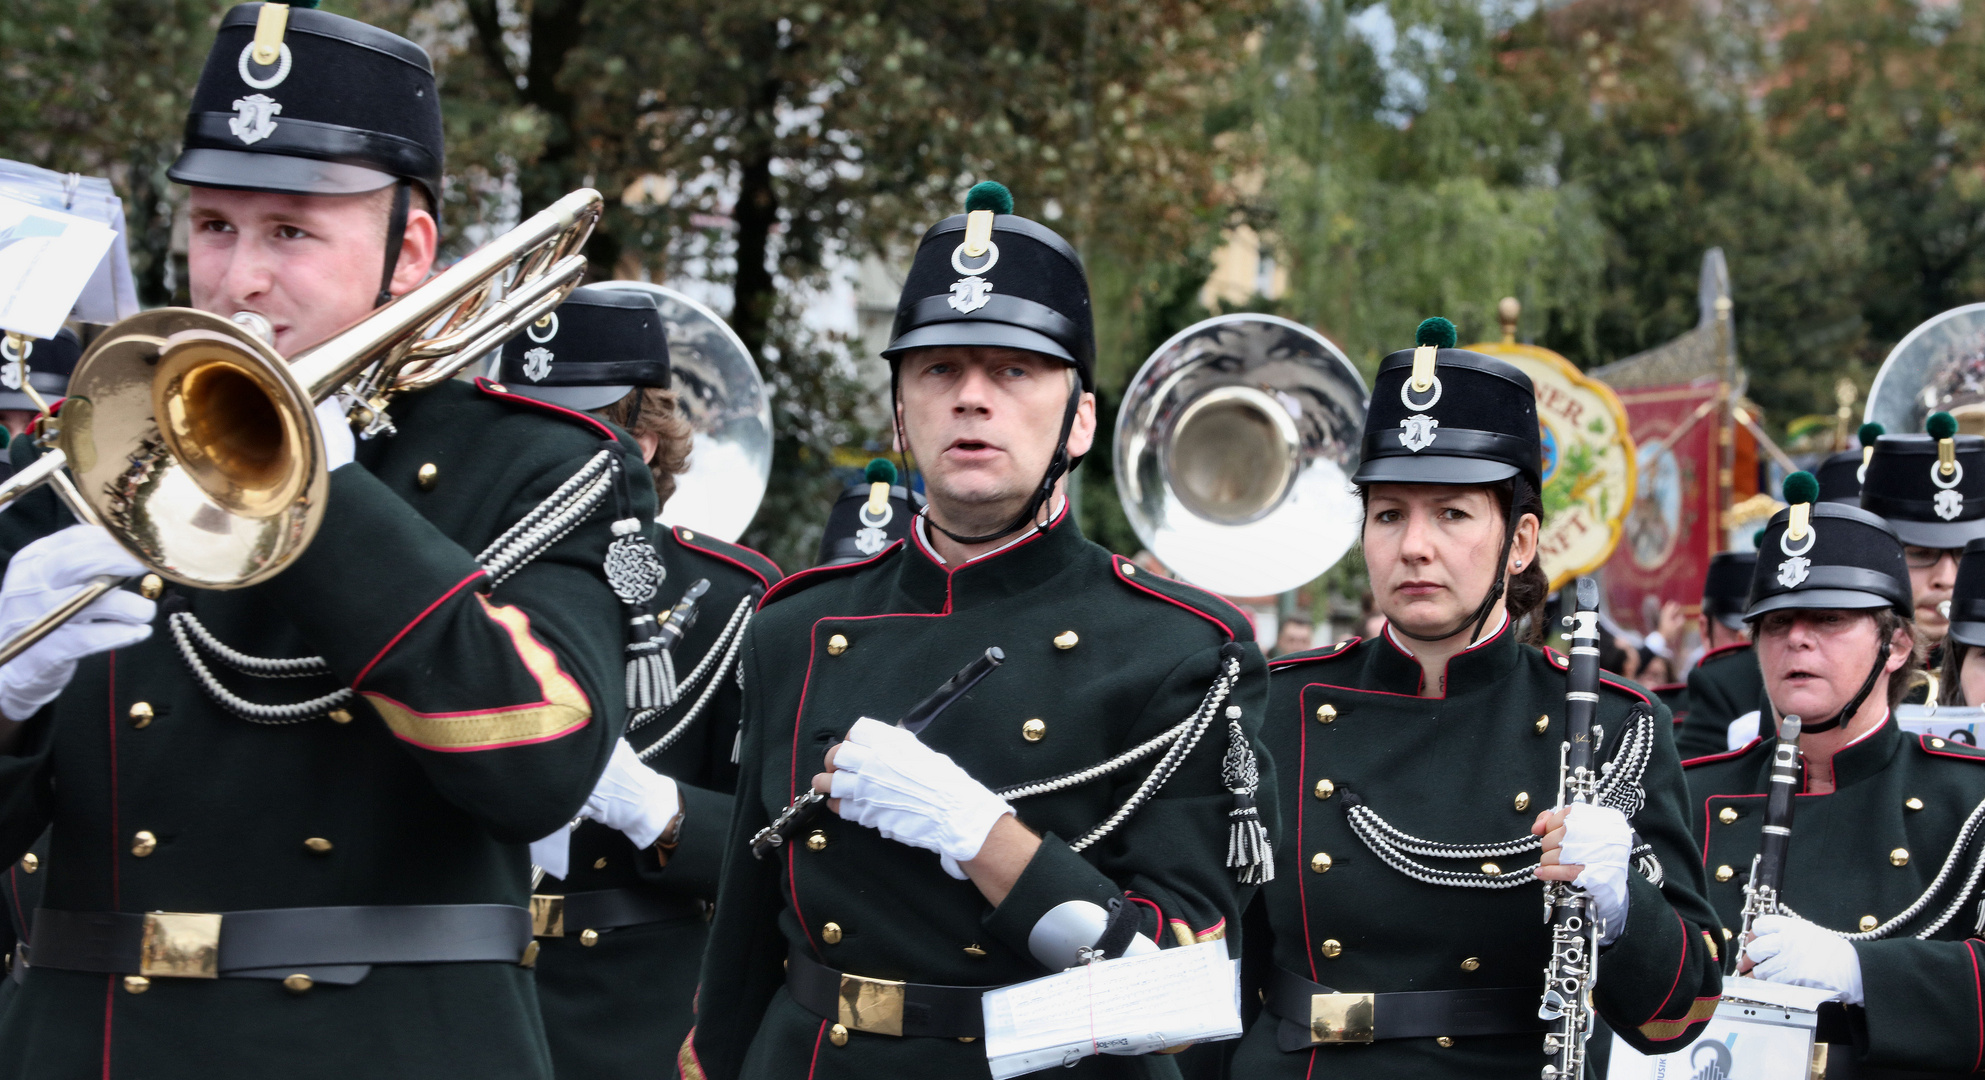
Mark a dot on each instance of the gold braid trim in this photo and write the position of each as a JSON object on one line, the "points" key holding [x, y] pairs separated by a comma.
{"points": [[563, 709], [1663, 1030], [685, 1058]]}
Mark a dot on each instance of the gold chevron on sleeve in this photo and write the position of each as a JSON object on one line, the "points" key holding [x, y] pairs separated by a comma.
{"points": [[563, 709]]}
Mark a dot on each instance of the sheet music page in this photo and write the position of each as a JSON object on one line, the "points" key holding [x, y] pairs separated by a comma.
{"points": [[46, 258], [1130, 1005]]}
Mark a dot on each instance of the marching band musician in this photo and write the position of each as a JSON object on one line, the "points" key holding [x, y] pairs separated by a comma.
{"points": [[1930, 488], [1725, 683], [622, 936], [1418, 774], [1883, 821], [1963, 672], [290, 820], [929, 879]]}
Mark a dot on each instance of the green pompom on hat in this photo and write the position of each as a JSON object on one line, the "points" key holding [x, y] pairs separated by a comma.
{"points": [[1941, 425], [989, 195], [1801, 487], [1870, 432], [1757, 539], [880, 471], [1437, 332]]}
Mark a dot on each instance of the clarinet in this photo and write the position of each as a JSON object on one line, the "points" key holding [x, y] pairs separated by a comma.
{"points": [[795, 816], [1768, 865], [1569, 976]]}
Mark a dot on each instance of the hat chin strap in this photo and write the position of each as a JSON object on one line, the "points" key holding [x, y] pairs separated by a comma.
{"points": [[396, 234], [1058, 466], [1854, 704]]}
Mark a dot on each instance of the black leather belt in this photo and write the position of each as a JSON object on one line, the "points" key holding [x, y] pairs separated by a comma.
{"points": [[1315, 1015], [884, 1007], [553, 915], [335, 945]]}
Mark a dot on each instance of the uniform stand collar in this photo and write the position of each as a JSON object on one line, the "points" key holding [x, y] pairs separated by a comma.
{"points": [[1868, 755], [1481, 664], [1013, 568]]}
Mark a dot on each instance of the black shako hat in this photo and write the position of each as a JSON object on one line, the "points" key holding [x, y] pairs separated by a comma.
{"points": [[1726, 588], [1840, 478], [1968, 596], [1474, 421], [1843, 557], [340, 108], [50, 362], [591, 351], [1025, 289], [853, 533], [1931, 487]]}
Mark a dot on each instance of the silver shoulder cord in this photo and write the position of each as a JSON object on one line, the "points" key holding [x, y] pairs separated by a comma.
{"points": [[534, 534], [1965, 835], [725, 646], [1248, 856], [1620, 787]]}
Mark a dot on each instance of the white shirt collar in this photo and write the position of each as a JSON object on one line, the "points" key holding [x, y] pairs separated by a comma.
{"points": [[1055, 508]]}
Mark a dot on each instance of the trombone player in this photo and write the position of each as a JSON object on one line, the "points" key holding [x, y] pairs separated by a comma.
{"points": [[290, 820]]}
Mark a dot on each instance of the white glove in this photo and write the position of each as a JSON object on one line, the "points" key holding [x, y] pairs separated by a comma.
{"points": [[1794, 951], [633, 798], [339, 445], [888, 780], [553, 854], [1600, 839], [41, 576]]}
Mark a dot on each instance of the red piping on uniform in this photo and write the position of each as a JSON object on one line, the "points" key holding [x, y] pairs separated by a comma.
{"points": [[109, 999], [740, 564], [1302, 889], [115, 899], [811, 571], [1624, 688], [1720, 650], [1336, 651], [1120, 562], [1039, 531], [1725, 755], [1669, 686], [1681, 965], [490, 388], [815, 1063], [1979, 996], [1153, 905], [405, 630], [793, 886], [1362, 690], [1923, 740], [1706, 834]]}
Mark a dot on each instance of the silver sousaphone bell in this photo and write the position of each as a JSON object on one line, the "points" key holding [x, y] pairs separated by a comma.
{"points": [[1234, 451], [1937, 367], [722, 395]]}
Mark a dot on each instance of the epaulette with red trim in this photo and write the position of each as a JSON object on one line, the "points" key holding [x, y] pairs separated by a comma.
{"points": [[751, 562], [1938, 746], [1723, 652], [801, 580], [1321, 652], [500, 392], [1206, 605]]}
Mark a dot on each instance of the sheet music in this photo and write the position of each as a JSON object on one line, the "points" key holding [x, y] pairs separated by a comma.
{"points": [[1130, 1005], [46, 258]]}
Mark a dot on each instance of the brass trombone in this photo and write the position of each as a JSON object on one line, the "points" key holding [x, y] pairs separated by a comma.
{"points": [[188, 438]]}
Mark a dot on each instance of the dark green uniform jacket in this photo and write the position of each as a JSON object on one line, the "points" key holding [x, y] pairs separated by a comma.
{"points": [[1675, 695], [1723, 686], [482, 718], [1869, 848], [1474, 767], [1104, 656], [620, 1005], [20, 894]]}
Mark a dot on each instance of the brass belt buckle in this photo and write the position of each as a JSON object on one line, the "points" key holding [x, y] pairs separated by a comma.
{"points": [[547, 915], [1341, 1018], [871, 1005], [180, 945]]}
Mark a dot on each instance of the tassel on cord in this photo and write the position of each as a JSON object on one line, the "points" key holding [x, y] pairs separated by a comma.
{"points": [[1248, 851], [650, 682]]}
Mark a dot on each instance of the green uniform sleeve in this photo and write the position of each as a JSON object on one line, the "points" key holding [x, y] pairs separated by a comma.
{"points": [[1924, 1007], [1718, 694], [1659, 981], [697, 863], [743, 962], [1171, 855], [510, 701]]}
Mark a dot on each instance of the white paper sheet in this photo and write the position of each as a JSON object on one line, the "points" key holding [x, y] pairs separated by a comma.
{"points": [[1130, 1005], [112, 292], [1761, 1031], [46, 257]]}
